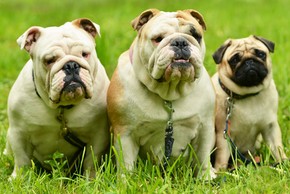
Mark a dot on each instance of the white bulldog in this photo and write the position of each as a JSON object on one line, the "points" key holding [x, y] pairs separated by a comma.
{"points": [[164, 68], [58, 102]]}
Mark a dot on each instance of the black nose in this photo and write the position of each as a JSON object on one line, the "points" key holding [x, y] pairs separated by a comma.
{"points": [[179, 43], [71, 67], [249, 62], [181, 48]]}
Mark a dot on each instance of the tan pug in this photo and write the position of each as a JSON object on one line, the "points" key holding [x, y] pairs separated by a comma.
{"points": [[58, 102], [163, 66], [245, 75]]}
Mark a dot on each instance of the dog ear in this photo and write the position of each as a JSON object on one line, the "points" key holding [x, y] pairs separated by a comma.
{"points": [[219, 53], [269, 44], [29, 38], [89, 26], [143, 18], [197, 16]]}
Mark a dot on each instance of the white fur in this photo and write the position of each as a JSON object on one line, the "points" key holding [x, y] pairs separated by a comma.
{"points": [[136, 101], [34, 130]]}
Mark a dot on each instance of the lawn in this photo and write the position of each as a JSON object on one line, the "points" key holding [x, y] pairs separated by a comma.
{"points": [[224, 19]]}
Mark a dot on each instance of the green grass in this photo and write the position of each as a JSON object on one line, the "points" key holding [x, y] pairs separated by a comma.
{"points": [[224, 19]]}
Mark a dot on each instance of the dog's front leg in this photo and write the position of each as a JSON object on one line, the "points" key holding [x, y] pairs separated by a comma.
{"points": [[203, 148], [22, 151], [222, 152], [127, 150], [273, 139]]}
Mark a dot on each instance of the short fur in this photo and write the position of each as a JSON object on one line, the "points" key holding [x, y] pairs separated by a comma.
{"points": [[42, 89], [153, 71], [255, 114]]}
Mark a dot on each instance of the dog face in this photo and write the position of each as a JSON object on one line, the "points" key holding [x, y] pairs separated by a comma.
{"points": [[169, 48], [245, 61], [64, 61]]}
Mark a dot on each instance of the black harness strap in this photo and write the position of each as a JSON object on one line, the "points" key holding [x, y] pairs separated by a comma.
{"points": [[73, 140], [67, 134]]}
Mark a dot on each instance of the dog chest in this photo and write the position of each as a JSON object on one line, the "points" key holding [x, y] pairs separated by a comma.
{"points": [[151, 136]]}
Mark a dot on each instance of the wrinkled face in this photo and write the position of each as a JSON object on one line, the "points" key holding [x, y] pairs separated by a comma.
{"points": [[247, 62], [64, 61], [172, 47]]}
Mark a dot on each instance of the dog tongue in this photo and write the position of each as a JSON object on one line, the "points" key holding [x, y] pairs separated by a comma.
{"points": [[181, 61]]}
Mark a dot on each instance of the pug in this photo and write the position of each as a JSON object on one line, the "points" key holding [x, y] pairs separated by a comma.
{"points": [[58, 102], [247, 99], [161, 90]]}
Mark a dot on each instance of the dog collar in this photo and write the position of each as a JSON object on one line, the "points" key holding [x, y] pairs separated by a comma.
{"points": [[235, 95], [34, 84], [71, 139]]}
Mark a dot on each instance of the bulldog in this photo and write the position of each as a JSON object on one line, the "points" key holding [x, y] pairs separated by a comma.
{"points": [[246, 98], [160, 84], [58, 102]]}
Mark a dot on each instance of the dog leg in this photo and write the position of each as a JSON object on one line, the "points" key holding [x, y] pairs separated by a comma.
{"points": [[95, 152], [205, 146], [22, 151], [273, 139], [126, 157], [222, 153]]}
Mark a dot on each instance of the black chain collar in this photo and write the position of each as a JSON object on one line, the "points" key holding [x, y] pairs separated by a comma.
{"points": [[169, 140]]}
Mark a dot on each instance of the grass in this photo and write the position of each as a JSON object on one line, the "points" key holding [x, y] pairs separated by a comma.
{"points": [[225, 19]]}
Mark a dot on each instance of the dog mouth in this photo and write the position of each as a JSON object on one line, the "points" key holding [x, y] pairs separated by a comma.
{"points": [[70, 85], [73, 91], [179, 69], [178, 61]]}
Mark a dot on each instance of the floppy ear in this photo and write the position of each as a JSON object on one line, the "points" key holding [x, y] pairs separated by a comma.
{"points": [[197, 16], [143, 18], [28, 39], [219, 53], [89, 26], [269, 44]]}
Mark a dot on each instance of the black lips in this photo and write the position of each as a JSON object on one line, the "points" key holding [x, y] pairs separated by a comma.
{"points": [[250, 73]]}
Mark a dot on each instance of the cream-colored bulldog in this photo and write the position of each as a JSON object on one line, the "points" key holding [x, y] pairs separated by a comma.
{"points": [[58, 102], [164, 68], [244, 85]]}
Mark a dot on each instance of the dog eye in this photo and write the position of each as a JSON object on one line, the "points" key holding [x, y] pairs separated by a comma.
{"points": [[158, 39], [85, 54], [50, 61], [234, 60], [260, 54], [195, 35]]}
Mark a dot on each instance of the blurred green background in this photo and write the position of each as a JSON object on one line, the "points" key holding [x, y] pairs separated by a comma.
{"points": [[224, 19]]}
